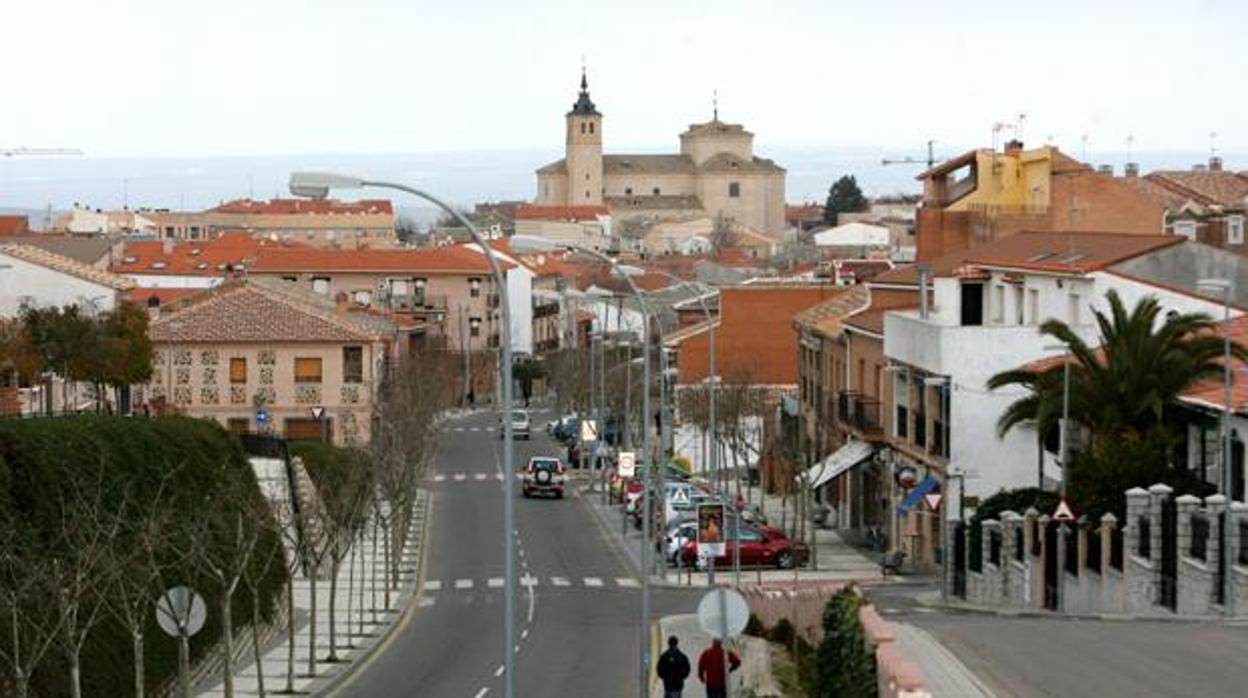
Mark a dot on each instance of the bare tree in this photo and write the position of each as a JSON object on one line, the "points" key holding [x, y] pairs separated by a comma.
{"points": [[345, 501], [268, 553], [285, 514], [29, 605]]}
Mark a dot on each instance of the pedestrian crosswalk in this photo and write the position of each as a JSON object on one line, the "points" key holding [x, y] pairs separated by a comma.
{"points": [[526, 581], [474, 477], [470, 429]]}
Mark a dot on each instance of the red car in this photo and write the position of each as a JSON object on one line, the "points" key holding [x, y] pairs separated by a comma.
{"points": [[761, 546]]}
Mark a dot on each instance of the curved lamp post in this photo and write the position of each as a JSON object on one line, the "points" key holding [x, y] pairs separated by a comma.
{"points": [[318, 185], [533, 243]]}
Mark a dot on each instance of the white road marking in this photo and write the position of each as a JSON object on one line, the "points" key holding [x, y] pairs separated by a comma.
{"points": [[463, 583], [433, 585], [499, 476], [481, 694], [499, 671], [528, 580], [524, 634], [521, 550], [439, 478], [426, 601], [474, 429], [627, 582], [593, 582], [479, 477], [560, 581], [460, 477], [495, 582]]}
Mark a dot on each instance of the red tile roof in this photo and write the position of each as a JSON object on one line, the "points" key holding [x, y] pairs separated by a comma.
{"points": [[804, 212], [215, 257], [14, 225], [163, 296], [298, 206], [452, 258], [545, 212], [1066, 252], [1221, 187]]}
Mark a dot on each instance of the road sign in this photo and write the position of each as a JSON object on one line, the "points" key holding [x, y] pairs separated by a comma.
{"points": [[262, 415], [932, 499], [736, 613], [1063, 512], [627, 463], [318, 412], [180, 611], [589, 430], [680, 496], [711, 529]]}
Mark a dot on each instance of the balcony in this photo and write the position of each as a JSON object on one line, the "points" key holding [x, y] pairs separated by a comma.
{"points": [[858, 412]]}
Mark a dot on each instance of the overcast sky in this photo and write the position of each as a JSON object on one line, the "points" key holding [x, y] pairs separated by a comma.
{"points": [[255, 77]]}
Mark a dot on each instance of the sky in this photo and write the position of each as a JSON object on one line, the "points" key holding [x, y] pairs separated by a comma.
{"points": [[141, 78]]}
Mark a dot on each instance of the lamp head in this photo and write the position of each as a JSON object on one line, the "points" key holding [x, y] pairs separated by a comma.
{"points": [[318, 185]]}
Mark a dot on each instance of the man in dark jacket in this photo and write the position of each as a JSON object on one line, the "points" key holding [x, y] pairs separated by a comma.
{"points": [[673, 669], [713, 668]]}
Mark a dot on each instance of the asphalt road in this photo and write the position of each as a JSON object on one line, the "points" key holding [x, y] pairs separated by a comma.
{"points": [[581, 627], [1029, 657]]}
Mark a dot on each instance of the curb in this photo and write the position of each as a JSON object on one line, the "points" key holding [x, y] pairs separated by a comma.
{"points": [[404, 607], [933, 600]]}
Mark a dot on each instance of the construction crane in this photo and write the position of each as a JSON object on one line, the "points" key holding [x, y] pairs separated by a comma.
{"points": [[23, 152], [910, 160]]}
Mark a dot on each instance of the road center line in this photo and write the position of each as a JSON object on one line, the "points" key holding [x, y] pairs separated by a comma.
{"points": [[499, 671], [481, 694]]}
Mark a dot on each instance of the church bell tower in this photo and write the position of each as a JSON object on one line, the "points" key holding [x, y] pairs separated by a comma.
{"points": [[584, 149]]}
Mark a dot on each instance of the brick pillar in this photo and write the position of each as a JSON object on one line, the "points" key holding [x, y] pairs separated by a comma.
{"points": [[1214, 506], [1063, 531], [1156, 495], [1010, 525], [1082, 527], [1038, 577], [1029, 561], [1239, 513], [1186, 505], [993, 576]]}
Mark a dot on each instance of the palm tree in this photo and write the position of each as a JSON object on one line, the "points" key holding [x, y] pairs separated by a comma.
{"points": [[1124, 385]]}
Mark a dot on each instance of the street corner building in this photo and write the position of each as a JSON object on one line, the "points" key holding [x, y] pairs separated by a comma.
{"points": [[262, 355]]}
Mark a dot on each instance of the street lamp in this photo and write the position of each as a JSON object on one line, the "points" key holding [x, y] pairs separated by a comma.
{"points": [[533, 243], [317, 185], [1225, 287], [1061, 440]]}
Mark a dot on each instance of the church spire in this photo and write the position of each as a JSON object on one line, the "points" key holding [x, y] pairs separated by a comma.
{"points": [[584, 106]]}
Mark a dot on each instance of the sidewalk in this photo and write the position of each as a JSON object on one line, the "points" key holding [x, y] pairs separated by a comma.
{"points": [[753, 676], [943, 673], [363, 620]]}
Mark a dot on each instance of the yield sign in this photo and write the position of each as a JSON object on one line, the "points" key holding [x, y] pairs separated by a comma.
{"points": [[1063, 511], [680, 497], [318, 412], [932, 500]]}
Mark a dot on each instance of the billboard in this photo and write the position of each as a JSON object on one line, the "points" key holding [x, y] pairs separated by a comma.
{"points": [[710, 529]]}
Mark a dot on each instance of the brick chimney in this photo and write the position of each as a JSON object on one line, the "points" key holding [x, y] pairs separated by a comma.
{"points": [[1013, 147], [1132, 169]]}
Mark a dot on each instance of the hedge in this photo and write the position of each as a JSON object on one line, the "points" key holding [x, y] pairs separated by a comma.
{"points": [[38, 460]]}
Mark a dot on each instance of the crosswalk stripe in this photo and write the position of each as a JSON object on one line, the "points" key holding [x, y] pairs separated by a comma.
{"points": [[463, 583], [426, 601], [479, 477], [460, 477], [432, 585], [627, 582], [593, 582], [439, 478], [528, 581], [496, 582], [560, 581]]}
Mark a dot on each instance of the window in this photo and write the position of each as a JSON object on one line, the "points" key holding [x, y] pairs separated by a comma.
{"points": [[628, 191], [586, 193], [320, 284], [398, 287], [1033, 300], [1072, 309], [998, 304], [734, 190], [362, 297], [1235, 230], [474, 327], [474, 287], [901, 398], [238, 370], [238, 425], [1018, 305], [353, 364], [582, 127], [656, 191], [308, 370], [972, 305], [1185, 228], [591, 127]]}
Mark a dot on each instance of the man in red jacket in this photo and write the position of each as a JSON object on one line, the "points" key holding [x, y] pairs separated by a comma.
{"points": [[712, 670]]}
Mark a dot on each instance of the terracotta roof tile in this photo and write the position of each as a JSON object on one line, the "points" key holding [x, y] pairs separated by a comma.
{"points": [[452, 258], [253, 310], [216, 257], [828, 316], [1221, 187], [14, 225], [65, 265]]}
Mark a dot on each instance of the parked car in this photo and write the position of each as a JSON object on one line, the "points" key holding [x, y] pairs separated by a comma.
{"points": [[544, 476], [761, 546], [519, 424], [678, 532], [565, 428]]}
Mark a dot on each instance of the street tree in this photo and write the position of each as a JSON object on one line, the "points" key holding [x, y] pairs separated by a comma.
{"points": [[28, 603], [843, 197]]}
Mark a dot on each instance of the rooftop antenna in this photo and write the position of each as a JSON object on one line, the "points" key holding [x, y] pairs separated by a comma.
{"points": [[1130, 146], [1084, 153], [1213, 143], [715, 105], [1022, 122]]}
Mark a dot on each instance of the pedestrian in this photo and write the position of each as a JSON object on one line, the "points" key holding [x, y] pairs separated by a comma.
{"points": [[713, 670], [673, 669]]}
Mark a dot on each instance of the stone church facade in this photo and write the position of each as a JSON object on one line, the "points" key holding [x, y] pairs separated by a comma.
{"points": [[715, 174]]}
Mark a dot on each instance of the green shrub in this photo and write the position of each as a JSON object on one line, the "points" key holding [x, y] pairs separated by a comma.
{"points": [[754, 627], [845, 662], [782, 632], [198, 469]]}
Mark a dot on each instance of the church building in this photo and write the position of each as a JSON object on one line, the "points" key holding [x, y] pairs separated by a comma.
{"points": [[715, 174]]}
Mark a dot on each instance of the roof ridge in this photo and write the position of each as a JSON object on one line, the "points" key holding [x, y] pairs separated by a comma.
{"points": [[66, 265]]}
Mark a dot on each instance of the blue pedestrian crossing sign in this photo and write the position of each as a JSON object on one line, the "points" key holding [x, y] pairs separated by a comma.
{"points": [[262, 415]]}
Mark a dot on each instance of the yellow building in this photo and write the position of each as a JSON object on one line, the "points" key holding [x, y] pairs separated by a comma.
{"points": [[715, 174]]}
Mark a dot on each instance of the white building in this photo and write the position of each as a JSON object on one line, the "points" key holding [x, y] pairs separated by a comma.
{"points": [[30, 276], [519, 299], [861, 236]]}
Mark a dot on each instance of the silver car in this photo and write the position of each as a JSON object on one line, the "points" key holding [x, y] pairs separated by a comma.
{"points": [[519, 424]]}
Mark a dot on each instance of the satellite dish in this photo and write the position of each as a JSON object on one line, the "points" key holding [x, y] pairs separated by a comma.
{"points": [[181, 611]]}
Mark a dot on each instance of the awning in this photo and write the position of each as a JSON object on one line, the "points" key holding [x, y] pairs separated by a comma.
{"points": [[929, 483], [841, 460]]}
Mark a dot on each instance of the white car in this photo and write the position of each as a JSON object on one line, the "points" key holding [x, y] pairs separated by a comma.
{"points": [[519, 424]]}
